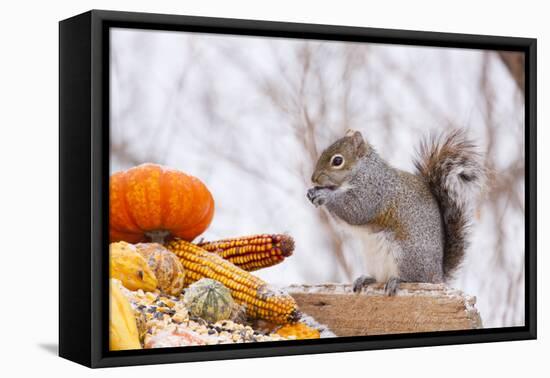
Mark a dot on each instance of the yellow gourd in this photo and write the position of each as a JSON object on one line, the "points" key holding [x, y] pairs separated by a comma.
{"points": [[123, 332], [131, 268]]}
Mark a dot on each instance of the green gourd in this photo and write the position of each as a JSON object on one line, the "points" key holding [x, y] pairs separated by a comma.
{"points": [[209, 299]]}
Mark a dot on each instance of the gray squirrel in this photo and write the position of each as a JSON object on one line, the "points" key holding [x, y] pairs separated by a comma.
{"points": [[419, 221]]}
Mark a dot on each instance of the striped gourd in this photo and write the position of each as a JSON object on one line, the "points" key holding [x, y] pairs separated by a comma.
{"points": [[209, 299]]}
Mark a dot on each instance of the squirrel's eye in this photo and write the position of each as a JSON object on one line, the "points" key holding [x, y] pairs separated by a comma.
{"points": [[337, 161]]}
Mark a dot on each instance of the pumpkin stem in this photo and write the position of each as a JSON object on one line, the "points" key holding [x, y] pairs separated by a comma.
{"points": [[157, 236]]}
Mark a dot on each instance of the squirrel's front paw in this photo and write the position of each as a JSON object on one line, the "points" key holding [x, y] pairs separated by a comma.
{"points": [[318, 196]]}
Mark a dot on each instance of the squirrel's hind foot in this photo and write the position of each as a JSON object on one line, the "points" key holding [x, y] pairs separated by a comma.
{"points": [[362, 282], [391, 286]]}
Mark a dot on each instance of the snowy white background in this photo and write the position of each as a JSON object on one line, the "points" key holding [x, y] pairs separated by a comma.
{"points": [[249, 116]]}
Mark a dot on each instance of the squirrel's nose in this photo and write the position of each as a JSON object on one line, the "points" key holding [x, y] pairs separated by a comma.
{"points": [[315, 177]]}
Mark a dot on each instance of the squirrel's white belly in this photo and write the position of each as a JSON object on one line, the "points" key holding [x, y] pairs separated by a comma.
{"points": [[380, 251]]}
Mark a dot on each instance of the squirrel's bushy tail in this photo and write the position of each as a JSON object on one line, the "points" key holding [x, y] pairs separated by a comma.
{"points": [[455, 173]]}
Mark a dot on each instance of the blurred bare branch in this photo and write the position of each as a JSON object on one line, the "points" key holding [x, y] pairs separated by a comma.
{"points": [[515, 63], [504, 195]]}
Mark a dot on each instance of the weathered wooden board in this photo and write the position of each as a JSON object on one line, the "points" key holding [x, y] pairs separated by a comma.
{"points": [[415, 308]]}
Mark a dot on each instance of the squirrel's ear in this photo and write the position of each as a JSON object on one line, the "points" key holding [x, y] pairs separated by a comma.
{"points": [[358, 142], [356, 135], [350, 132]]}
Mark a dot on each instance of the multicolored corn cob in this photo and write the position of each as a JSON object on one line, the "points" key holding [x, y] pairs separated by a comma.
{"points": [[261, 301], [252, 252]]}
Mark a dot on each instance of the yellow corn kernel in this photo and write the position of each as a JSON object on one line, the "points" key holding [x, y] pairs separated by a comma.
{"points": [[252, 252], [261, 301]]}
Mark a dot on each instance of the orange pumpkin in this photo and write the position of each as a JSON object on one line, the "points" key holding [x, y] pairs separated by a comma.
{"points": [[151, 202]]}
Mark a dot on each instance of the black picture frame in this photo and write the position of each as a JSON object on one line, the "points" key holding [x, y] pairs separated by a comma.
{"points": [[84, 189]]}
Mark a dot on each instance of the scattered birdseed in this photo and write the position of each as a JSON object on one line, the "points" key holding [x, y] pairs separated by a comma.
{"points": [[163, 321]]}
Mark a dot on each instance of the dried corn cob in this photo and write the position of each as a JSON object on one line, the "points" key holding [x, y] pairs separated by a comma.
{"points": [[261, 301], [252, 252]]}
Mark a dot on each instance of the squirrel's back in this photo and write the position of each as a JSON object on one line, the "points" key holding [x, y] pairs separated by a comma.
{"points": [[452, 167]]}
